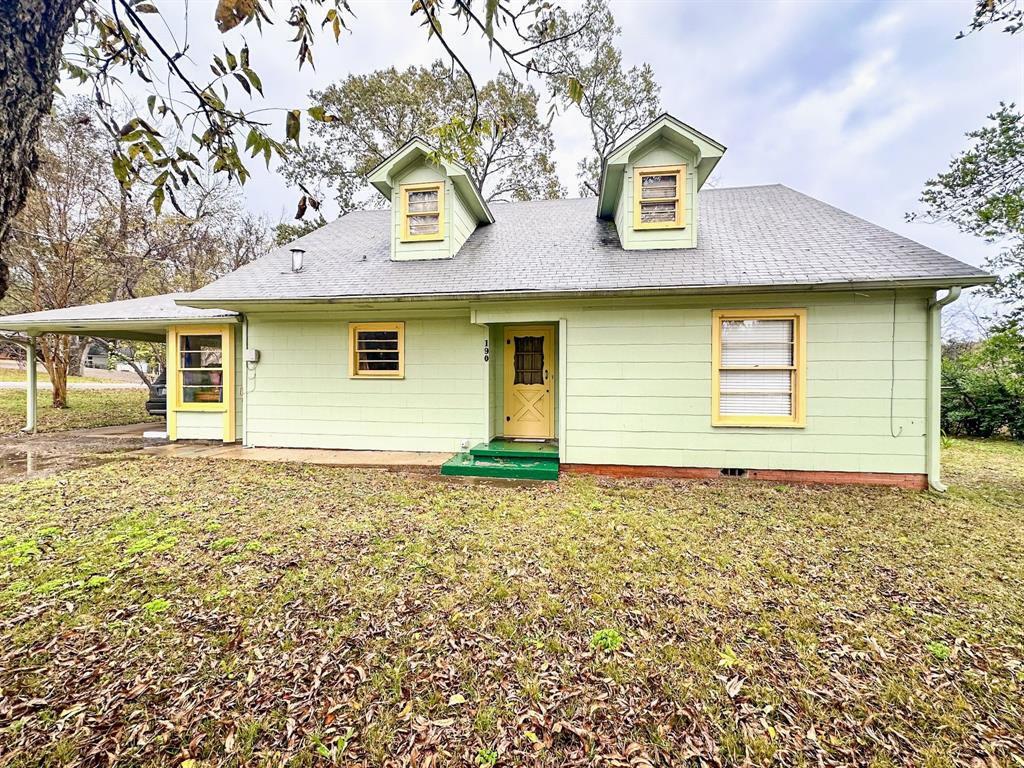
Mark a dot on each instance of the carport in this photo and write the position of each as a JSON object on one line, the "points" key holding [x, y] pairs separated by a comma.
{"points": [[153, 318]]}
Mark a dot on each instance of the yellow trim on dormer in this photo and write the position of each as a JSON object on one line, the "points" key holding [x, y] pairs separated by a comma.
{"points": [[659, 170], [798, 369], [403, 193]]}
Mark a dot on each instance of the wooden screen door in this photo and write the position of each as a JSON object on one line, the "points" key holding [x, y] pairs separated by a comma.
{"points": [[530, 381]]}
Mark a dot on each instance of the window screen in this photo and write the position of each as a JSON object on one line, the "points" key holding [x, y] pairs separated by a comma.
{"points": [[757, 367], [528, 359], [422, 211], [659, 197], [377, 349]]}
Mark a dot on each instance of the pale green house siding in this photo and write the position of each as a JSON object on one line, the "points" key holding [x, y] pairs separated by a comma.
{"points": [[637, 383], [300, 394], [459, 222], [639, 389], [662, 153]]}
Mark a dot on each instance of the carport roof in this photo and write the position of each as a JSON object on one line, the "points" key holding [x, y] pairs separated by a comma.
{"points": [[144, 319]]}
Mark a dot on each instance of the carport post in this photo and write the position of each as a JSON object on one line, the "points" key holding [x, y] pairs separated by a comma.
{"points": [[30, 392]]}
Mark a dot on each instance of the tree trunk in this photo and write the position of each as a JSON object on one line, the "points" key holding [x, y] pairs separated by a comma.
{"points": [[31, 35], [55, 348], [76, 359]]}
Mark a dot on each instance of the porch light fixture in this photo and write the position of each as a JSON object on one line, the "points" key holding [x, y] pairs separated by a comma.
{"points": [[297, 254]]}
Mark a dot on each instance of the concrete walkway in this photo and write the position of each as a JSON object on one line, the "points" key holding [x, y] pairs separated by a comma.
{"points": [[406, 461]]}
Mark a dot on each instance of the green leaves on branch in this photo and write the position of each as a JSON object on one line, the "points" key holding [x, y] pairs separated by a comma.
{"points": [[319, 114], [292, 125], [982, 194], [574, 90], [129, 36]]}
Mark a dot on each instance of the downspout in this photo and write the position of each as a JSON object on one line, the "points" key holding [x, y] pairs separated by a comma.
{"points": [[30, 388], [934, 400], [244, 389]]}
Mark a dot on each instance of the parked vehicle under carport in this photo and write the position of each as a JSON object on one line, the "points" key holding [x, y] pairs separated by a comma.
{"points": [[156, 405]]}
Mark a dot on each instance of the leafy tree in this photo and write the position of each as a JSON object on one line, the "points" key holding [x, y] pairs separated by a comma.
{"points": [[983, 386], [982, 193], [586, 69], [373, 115], [986, 12], [54, 263], [104, 43], [81, 238], [285, 232]]}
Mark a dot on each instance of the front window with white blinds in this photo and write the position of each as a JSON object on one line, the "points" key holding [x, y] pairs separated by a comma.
{"points": [[759, 368]]}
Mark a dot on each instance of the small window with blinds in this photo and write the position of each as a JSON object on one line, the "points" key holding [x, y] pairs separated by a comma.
{"points": [[658, 197], [758, 374], [376, 350], [422, 211]]}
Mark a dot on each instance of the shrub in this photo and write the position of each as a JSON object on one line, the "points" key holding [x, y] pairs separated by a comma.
{"points": [[983, 387]]}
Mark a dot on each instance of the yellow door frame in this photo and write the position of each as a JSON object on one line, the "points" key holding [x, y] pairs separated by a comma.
{"points": [[549, 332], [174, 401]]}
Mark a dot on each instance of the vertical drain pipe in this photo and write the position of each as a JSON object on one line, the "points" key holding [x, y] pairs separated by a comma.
{"points": [[934, 398], [30, 389]]}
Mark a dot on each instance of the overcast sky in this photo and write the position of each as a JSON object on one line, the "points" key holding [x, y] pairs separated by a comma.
{"points": [[856, 103]]}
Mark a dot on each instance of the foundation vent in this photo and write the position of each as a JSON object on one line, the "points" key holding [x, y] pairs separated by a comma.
{"points": [[732, 472]]}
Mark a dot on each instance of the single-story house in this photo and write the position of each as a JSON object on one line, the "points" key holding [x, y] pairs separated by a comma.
{"points": [[665, 328]]}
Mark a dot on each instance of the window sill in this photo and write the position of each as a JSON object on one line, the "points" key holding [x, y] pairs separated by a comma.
{"points": [[768, 423], [642, 227], [201, 407]]}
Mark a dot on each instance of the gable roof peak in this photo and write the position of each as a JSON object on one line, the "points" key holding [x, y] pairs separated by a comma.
{"points": [[708, 152], [415, 151]]}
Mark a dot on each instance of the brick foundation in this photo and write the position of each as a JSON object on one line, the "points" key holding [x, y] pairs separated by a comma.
{"points": [[910, 481]]}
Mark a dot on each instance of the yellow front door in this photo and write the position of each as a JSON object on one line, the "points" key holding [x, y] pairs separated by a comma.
{"points": [[530, 381]]}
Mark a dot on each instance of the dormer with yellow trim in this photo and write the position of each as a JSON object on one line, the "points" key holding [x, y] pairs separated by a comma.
{"points": [[651, 182], [435, 206]]}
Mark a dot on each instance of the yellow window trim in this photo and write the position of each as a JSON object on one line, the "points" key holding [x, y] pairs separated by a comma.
{"points": [[799, 368], [174, 401], [658, 170], [403, 193], [353, 369]]}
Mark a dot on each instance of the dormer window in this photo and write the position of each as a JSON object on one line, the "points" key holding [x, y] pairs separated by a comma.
{"points": [[422, 211], [658, 197]]}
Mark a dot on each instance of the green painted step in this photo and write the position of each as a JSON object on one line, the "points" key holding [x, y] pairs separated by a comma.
{"points": [[513, 449], [511, 468]]}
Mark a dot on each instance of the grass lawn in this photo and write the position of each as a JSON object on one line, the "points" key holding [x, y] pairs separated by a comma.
{"points": [[87, 408], [190, 612], [18, 374]]}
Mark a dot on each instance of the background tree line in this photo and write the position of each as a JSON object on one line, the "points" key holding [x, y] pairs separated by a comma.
{"points": [[82, 238], [982, 194]]}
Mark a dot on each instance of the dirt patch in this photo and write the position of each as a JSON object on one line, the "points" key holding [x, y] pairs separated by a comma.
{"points": [[30, 456]]}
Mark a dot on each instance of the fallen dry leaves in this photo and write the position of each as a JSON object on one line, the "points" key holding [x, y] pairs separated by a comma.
{"points": [[195, 613]]}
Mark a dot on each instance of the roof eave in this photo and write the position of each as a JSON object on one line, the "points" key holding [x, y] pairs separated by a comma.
{"points": [[907, 283], [142, 329]]}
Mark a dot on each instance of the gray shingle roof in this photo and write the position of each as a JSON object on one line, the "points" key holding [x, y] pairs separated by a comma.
{"points": [[156, 308], [769, 236]]}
